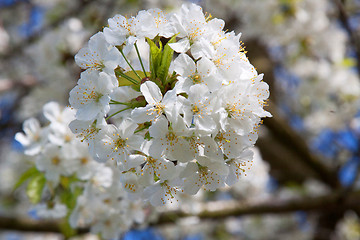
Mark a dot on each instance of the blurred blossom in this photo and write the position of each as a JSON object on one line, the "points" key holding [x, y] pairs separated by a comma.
{"points": [[349, 227], [4, 40]]}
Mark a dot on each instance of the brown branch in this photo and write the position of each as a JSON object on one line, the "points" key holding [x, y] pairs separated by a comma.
{"points": [[215, 210], [28, 225], [286, 167], [223, 209], [290, 139], [295, 147]]}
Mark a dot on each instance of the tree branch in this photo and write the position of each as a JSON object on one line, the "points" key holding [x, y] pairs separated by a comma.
{"points": [[215, 210], [223, 209], [290, 139]]}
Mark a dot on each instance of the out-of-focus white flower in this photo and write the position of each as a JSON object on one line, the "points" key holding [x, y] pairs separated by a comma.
{"points": [[43, 210], [4, 40], [254, 178], [349, 227], [54, 162], [33, 139]]}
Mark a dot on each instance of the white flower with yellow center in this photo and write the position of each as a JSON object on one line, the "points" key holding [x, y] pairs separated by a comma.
{"points": [[162, 192], [58, 115], [157, 104], [99, 55], [232, 144], [198, 110], [116, 143], [91, 96], [122, 31], [204, 173], [238, 166], [242, 110], [203, 72], [171, 140], [154, 22], [190, 24], [87, 130], [156, 168]]}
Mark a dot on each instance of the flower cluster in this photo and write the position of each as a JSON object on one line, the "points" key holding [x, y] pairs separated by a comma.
{"points": [[66, 181], [171, 122]]}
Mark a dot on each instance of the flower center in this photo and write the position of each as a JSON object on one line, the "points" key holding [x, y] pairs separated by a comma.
{"points": [[233, 111], [196, 78], [88, 95], [84, 160], [195, 109], [55, 161], [120, 143], [158, 108]]}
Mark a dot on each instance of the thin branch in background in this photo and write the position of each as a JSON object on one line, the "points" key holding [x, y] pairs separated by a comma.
{"points": [[289, 138], [214, 210]]}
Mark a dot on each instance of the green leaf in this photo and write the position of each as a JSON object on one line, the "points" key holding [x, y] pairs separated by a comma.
{"points": [[155, 58], [66, 229], [69, 197], [166, 58], [31, 172], [66, 181], [35, 187]]}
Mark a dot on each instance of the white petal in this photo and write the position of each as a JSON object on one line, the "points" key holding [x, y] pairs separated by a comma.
{"points": [[51, 111], [151, 92], [141, 114], [127, 128], [181, 46], [159, 129], [184, 65]]}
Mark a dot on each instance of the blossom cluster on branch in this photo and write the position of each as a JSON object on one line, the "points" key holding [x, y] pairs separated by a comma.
{"points": [[149, 124], [66, 181], [171, 125]]}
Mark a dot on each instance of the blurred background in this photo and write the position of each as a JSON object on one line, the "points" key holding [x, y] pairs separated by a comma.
{"points": [[304, 181]]}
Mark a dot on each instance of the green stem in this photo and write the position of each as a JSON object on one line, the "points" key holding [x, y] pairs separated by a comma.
{"points": [[141, 62], [117, 112], [122, 53], [139, 130], [116, 102], [130, 79]]}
